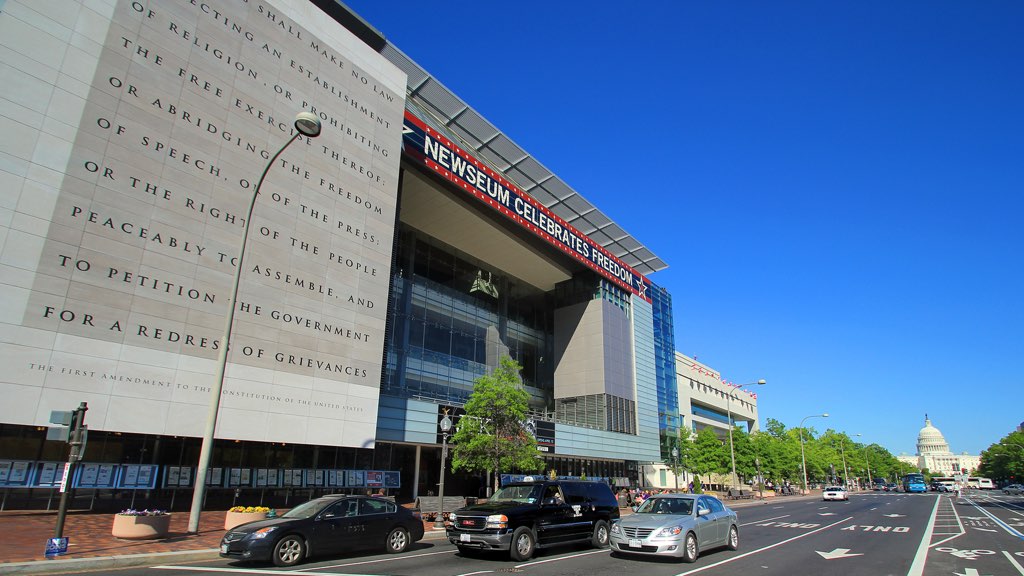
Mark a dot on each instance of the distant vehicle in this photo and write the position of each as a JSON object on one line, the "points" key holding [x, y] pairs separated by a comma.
{"points": [[1017, 489], [892, 487], [914, 483], [835, 493], [676, 525], [327, 525], [985, 484]]}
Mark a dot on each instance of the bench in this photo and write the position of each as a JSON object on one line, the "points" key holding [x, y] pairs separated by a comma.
{"points": [[739, 494], [432, 503]]}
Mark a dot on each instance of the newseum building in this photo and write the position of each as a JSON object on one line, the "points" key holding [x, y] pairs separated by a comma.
{"points": [[389, 263]]}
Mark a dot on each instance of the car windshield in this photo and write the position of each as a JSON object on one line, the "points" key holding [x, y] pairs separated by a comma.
{"points": [[524, 493], [666, 506], [308, 509], [833, 489]]}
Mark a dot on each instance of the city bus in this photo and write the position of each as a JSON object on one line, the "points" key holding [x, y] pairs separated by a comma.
{"points": [[914, 483]]}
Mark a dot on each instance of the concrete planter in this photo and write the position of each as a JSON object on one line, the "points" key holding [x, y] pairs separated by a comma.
{"points": [[233, 519], [141, 527]]}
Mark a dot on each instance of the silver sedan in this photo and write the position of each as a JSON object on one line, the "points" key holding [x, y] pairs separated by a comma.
{"points": [[678, 525]]}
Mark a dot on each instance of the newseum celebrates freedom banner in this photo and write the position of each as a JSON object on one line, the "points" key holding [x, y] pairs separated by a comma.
{"points": [[469, 174]]}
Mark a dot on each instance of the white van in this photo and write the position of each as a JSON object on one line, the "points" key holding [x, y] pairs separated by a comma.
{"points": [[985, 484]]}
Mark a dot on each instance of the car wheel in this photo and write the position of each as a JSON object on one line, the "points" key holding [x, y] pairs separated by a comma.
{"points": [[398, 540], [690, 551], [523, 544], [600, 539], [289, 551], [734, 538]]}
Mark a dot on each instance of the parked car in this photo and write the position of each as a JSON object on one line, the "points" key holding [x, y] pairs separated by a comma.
{"points": [[835, 493], [1013, 489], [327, 525], [524, 516], [892, 487], [677, 525]]}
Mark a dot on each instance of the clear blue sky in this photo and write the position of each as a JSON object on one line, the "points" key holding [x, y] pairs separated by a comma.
{"points": [[836, 186]]}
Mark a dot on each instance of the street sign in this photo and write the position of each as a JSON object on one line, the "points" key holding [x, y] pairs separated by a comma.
{"points": [[56, 547]]}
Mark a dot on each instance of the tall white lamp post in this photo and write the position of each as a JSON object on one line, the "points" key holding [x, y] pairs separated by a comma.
{"points": [[846, 471], [306, 124], [803, 458], [856, 436], [867, 459], [728, 408], [675, 465], [446, 426]]}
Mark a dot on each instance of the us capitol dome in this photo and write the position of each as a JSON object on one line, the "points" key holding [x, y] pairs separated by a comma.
{"points": [[934, 454]]}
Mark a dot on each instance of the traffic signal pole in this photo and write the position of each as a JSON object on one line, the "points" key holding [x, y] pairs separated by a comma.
{"points": [[75, 439]]}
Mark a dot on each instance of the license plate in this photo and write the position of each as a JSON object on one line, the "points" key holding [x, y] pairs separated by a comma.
{"points": [[464, 538], [223, 548], [635, 543]]}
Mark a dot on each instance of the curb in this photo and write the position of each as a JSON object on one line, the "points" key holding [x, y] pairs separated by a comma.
{"points": [[104, 562]]}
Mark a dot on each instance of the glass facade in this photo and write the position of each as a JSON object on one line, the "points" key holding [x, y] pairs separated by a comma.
{"points": [[452, 319], [665, 369], [709, 413]]}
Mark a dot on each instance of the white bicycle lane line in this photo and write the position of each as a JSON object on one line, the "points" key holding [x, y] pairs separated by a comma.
{"points": [[999, 521], [946, 519]]}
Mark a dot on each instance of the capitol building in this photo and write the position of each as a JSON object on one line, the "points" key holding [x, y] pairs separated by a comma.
{"points": [[933, 454]]}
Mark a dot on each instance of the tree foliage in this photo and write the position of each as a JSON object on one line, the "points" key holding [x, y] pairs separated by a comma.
{"points": [[491, 436], [1004, 460], [710, 455]]}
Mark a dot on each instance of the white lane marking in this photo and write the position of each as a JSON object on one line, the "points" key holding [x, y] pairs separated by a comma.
{"points": [[765, 520], [380, 560], [1013, 561], [917, 567], [301, 570], [474, 573], [388, 559], [768, 547], [605, 550], [838, 553], [244, 570]]}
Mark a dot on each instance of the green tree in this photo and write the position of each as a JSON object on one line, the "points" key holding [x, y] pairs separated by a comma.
{"points": [[743, 447], [710, 455], [1004, 460], [491, 436]]}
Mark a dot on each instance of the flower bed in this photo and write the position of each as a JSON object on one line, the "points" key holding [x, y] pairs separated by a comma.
{"points": [[141, 524], [244, 514]]}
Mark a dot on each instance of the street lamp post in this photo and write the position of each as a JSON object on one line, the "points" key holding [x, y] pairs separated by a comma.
{"points": [[728, 408], [803, 458], [857, 436], [306, 124], [675, 465], [446, 426], [846, 471], [867, 460]]}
